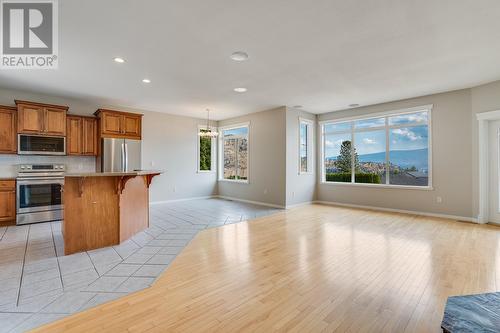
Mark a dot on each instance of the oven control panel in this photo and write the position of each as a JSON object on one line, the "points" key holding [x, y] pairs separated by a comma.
{"points": [[41, 168]]}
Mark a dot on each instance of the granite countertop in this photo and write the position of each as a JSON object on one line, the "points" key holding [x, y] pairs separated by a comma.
{"points": [[113, 174]]}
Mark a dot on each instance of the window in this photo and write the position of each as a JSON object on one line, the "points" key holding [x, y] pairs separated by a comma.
{"points": [[234, 157], [206, 151], [387, 149], [305, 146]]}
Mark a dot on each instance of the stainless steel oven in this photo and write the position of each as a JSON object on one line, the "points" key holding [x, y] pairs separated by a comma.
{"points": [[41, 145], [39, 193]]}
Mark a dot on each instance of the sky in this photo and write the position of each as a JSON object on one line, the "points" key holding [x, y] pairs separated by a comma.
{"points": [[406, 138], [236, 131]]}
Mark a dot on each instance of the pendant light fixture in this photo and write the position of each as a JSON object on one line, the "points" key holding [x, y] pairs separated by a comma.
{"points": [[208, 131]]}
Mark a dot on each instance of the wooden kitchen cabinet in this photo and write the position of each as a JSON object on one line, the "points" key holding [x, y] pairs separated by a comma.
{"points": [[8, 130], [89, 136], [41, 119], [7, 202], [117, 124], [81, 135]]}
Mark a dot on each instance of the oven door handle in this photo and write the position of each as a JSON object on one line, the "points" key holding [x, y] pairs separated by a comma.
{"points": [[34, 180]]}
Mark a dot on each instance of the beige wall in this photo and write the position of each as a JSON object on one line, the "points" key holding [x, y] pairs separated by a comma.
{"points": [[451, 161], [169, 143], [300, 188], [267, 158]]}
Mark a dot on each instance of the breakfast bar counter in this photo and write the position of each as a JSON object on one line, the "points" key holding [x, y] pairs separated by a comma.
{"points": [[104, 208]]}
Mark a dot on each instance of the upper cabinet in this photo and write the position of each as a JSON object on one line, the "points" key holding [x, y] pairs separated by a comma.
{"points": [[81, 135], [8, 137], [42, 119], [117, 124]]}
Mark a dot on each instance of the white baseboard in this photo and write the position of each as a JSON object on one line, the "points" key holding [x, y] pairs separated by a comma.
{"points": [[250, 201], [299, 204], [183, 199], [445, 216]]}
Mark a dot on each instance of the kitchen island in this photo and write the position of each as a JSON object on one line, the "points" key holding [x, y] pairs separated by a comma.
{"points": [[104, 208]]}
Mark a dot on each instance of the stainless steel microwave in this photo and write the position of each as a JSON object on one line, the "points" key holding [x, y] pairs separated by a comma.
{"points": [[41, 145]]}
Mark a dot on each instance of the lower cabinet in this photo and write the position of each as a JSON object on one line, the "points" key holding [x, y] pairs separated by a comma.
{"points": [[7, 202]]}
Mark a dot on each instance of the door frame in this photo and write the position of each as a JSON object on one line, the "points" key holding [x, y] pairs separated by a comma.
{"points": [[484, 119]]}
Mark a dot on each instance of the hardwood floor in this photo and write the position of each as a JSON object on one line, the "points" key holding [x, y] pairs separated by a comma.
{"points": [[310, 269]]}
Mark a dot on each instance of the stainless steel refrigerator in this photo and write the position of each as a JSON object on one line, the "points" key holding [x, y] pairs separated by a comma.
{"points": [[120, 155]]}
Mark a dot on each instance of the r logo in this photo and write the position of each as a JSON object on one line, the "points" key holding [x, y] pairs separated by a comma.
{"points": [[27, 27]]}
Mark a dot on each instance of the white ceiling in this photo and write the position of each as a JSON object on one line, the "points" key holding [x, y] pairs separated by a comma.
{"points": [[321, 54]]}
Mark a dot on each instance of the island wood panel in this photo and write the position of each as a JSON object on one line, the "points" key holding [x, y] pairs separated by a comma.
{"points": [[134, 208], [91, 213], [8, 130]]}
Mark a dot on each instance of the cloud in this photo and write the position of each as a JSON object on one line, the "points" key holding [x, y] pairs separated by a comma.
{"points": [[369, 141], [407, 133]]}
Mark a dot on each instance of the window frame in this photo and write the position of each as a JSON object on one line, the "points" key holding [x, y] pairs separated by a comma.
{"points": [[387, 128], [213, 151], [221, 153], [310, 146]]}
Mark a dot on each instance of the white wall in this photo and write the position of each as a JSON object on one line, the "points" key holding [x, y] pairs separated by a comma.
{"points": [[170, 142], [484, 98], [267, 158], [451, 161], [300, 188]]}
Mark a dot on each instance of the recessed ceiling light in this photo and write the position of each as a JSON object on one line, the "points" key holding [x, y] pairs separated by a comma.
{"points": [[119, 60], [297, 106], [239, 56], [353, 105], [240, 90], [146, 80]]}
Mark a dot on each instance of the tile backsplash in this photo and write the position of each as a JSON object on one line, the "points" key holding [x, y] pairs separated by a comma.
{"points": [[8, 163]]}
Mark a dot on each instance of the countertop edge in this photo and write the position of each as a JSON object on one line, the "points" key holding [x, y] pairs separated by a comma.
{"points": [[113, 174]]}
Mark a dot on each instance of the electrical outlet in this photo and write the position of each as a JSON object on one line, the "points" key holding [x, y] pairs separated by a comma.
{"points": [[293, 194], [439, 199], [152, 163], [175, 188], [265, 191]]}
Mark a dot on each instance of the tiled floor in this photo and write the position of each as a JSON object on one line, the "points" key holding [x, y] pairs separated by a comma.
{"points": [[38, 284]]}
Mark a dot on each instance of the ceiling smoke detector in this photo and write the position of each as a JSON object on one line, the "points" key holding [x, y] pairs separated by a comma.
{"points": [[240, 90], [239, 56]]}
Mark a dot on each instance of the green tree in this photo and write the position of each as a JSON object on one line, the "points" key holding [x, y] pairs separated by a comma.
{"points": [[344, 161], [205, 153]]}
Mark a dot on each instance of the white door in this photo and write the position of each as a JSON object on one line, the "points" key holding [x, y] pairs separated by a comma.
{"points": [[494, 178]]}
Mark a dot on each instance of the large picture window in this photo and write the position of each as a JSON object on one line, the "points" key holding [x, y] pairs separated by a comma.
{"points": [[391, 149], [234, 157]]}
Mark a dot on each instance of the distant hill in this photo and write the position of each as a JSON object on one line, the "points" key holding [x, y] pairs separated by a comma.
{"points": [[403, 158]]}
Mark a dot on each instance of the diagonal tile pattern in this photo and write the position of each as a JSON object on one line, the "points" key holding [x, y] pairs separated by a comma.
{"points": [[38, 284]]}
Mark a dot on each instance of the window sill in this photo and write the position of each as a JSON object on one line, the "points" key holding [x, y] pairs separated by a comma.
{"points": [[402, 187], [206, 171], [306, 173], [234, 181]]}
